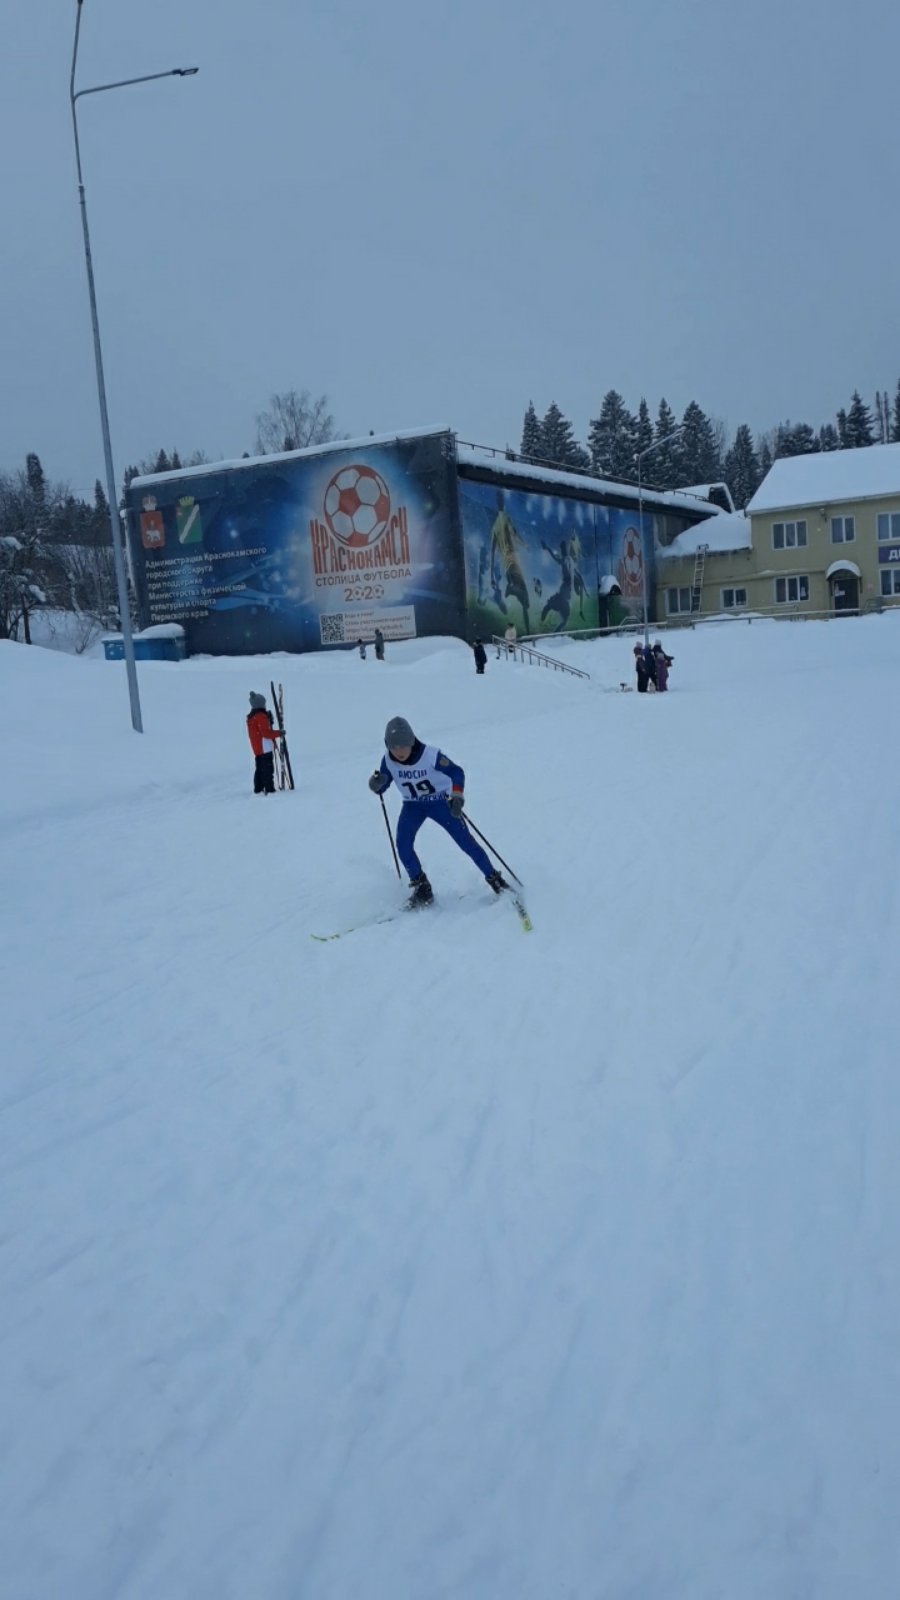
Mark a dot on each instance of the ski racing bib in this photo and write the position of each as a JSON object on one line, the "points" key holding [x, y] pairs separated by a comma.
{"points": [[424, 780]]}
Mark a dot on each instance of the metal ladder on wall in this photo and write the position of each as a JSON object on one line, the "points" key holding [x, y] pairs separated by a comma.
{"points": [[697, 585]]}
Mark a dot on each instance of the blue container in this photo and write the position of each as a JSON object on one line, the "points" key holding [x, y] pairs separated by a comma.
{"points": [[149, 646]]}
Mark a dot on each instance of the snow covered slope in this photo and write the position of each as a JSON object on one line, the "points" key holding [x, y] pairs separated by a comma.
{"points": [[446, 1260]]}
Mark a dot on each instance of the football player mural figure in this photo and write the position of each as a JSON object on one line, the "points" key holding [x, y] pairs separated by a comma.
{"points": [[505, 545], [561, 601]]}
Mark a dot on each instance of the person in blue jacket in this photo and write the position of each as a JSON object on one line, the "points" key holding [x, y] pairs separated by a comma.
{"points": [[432, 787]]}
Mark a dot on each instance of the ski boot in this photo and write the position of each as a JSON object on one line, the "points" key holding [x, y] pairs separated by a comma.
{"points": [[496, 881], [422, 893]]}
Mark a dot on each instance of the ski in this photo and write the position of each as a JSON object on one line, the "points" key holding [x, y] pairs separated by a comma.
{"points": [[285, 774], [327, 938], [525, 921], [359, 927]]}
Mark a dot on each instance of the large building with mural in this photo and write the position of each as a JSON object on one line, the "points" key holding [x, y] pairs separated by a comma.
{"points": [[411, 533]]}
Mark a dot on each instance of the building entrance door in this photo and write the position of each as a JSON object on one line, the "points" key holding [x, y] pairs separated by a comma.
{"points": [[845, 592]]}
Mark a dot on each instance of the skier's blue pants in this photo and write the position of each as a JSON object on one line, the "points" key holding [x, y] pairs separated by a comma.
{"points": [[413, 813]]}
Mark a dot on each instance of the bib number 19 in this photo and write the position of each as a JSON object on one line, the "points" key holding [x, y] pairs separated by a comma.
{"points": [[417, 790]]}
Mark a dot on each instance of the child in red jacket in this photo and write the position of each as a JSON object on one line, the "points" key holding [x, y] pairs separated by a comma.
{"points": [[262, 742]]}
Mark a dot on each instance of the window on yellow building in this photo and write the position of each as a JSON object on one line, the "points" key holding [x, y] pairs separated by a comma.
{"points": [[788, 591], [788, 535], [678, 602]]}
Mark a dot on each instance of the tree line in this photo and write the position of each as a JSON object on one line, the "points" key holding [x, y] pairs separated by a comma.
{"points": [[700, 453]]}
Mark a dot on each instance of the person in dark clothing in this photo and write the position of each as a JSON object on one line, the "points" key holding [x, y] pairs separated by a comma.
{"points": [[641, 669], [650, 662], [262, 742], [361, 647], [663, 663], [379, 645], [480, 655]]}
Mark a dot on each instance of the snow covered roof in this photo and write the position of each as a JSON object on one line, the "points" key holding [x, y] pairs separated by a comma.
{"points": [[828, 477], [496, 461], [704, 490], [843, 566], [364, 443], [471, 455], [728, 531]]}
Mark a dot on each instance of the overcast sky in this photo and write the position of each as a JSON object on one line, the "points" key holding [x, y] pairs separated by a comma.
{"points": [[436, 210]]}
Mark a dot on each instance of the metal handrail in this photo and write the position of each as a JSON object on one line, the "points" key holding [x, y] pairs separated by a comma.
{"points": [[529, 654], [792, 611]]}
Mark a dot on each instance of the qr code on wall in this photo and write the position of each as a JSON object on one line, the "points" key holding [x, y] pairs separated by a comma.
{"points": [[331, 628]]}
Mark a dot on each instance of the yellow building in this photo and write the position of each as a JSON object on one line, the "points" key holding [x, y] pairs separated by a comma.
{"points": [[706, 570], [826, 530], [822, 535]]}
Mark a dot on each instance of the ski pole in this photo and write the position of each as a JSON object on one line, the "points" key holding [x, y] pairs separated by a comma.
{"points": [[390, 835], [496, 852]]}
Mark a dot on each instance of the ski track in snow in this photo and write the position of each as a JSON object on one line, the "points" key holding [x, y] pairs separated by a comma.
{"points": [[440, 1261]]}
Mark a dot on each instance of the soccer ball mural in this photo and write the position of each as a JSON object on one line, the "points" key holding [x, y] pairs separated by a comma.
{"points": [[631, 564], [357, 506]]}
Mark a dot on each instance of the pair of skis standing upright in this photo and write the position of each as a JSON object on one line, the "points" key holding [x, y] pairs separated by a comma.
{"points": [[284, 773]]}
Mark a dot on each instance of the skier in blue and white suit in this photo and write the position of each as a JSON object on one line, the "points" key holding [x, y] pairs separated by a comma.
{"points": [[432, 788]]}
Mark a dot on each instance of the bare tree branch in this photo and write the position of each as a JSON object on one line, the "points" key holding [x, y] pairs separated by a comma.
{"points": [[293, 420]]}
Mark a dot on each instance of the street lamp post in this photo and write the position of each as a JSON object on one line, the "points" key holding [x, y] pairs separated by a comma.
{"points": [[657, 445], [111, 492]]}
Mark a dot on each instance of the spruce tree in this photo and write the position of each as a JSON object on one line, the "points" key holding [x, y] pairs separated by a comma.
{"points": [[532, 437], [859, 424], [895, 425], [162, 463], [699, 453], [765, 458], [795, 439], [560, 448], [643, 431], [742, 470], [828, 437], [843, 433], [100, 515], [34, 473], [664, 466], [611, 439]]}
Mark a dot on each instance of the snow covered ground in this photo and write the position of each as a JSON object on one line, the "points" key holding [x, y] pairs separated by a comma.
{"points": [[444, 1259]]}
